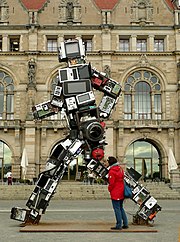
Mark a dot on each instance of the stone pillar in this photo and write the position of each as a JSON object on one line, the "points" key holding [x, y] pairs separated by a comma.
{"points": [[60, 39], [133, 43], [106, 39], [33, 39], [175, 179], [176, 19], [109, 149], [5, 42], [151, 43], [30, 145]]}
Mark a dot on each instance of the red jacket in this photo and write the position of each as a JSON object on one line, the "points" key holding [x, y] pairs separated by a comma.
{"points": [[116, 182]]}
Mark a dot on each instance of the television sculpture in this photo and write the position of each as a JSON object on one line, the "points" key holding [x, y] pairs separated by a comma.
{"points": [[74, 93]]}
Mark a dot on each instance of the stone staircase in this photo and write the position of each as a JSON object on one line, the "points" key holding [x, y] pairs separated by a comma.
{"points": [[78, 190], [161, 190]]}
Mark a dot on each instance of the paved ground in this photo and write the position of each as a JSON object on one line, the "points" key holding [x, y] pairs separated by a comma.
{"points": [[167, 222]]}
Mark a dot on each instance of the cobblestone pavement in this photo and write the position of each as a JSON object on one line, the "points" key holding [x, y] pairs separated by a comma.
{"points": [[167, 222]]}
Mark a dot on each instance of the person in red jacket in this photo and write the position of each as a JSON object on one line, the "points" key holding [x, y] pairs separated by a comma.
{"points": [[116, 189]]}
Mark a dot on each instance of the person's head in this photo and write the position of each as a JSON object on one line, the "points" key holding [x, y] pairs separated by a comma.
{"points": [[111, 160]]}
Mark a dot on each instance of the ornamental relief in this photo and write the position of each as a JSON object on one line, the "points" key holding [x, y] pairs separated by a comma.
{"points": [[4, 11], [142, 12], [69, 11]]}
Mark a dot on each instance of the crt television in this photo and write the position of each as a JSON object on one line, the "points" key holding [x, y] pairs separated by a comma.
{"points": [[71, 49], [76, 87]]}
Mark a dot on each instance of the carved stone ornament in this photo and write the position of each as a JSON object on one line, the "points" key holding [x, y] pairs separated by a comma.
{"points": [[143, 61], [142, 12], [32, 72], [107, 70], [69, 11], [4, 11]]}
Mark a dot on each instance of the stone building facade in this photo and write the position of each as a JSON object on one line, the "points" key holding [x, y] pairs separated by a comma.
{"points": [[137, 42]]}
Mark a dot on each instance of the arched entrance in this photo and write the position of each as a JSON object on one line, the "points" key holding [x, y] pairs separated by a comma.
{"points": [[145, 158], [5, 160]]}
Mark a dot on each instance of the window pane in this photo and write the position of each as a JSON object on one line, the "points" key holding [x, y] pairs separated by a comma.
{"points": [[157, 106], [124, 45], [141, 45], [154, 79], [10, 104], [127, 103], [127, 106], [14, 44], [142, 101], [147, 74], [159, 45], [1, 87], [52, 45], [88, 45], [2, 103], [127, 88]]}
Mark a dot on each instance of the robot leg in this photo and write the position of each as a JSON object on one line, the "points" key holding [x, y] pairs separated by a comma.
{"points": [[47, 182]]}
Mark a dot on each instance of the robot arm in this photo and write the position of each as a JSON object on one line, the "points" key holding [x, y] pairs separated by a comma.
{"points": [[111, 90], [50, 107]]}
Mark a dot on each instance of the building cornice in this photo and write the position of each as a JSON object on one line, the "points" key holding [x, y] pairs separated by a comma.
{"points": [[86, 27], [94, 53]]}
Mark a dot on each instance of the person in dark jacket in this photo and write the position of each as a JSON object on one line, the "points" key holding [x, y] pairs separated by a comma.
{"points": [[116, 189]]}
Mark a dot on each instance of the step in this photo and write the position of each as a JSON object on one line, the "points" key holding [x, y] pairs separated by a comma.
{"points": [[78, 190]]}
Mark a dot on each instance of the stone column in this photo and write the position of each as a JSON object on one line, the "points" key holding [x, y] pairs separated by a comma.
{"points": [[109, 149], [5, 42], [133, 43], [30, 145], [175, 179], [106, 39], [151, 43], [176, 19]]}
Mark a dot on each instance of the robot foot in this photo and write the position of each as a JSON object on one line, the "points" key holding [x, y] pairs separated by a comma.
{"points": [[24, 215]]}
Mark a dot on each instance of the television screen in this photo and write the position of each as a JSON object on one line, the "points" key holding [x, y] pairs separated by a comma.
{"points": [[83, 98], [72, 49], [76, 87], [84, 72], [63, 75]]}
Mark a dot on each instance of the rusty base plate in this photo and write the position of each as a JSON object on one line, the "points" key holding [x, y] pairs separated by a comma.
{"points": [[83, 226]]}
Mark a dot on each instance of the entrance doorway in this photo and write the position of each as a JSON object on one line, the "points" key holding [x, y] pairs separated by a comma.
{"points": [[144, 157]]}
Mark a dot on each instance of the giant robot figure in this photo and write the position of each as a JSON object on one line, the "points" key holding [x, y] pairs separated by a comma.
{"points": [[74, 94]]}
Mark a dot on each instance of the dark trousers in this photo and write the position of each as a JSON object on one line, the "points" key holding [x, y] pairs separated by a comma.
{"points": [[119, 213]]}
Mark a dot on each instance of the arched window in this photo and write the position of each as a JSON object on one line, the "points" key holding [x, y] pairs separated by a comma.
{"points": [[5, 160], [6, 96], [142, 96], [145, 159]]}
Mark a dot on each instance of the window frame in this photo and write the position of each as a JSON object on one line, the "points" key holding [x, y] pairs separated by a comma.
{"points": [[14, 43], [7, 97], [154, 111], [53, 41], [124, 45], [158, 48], [139, 44]]}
